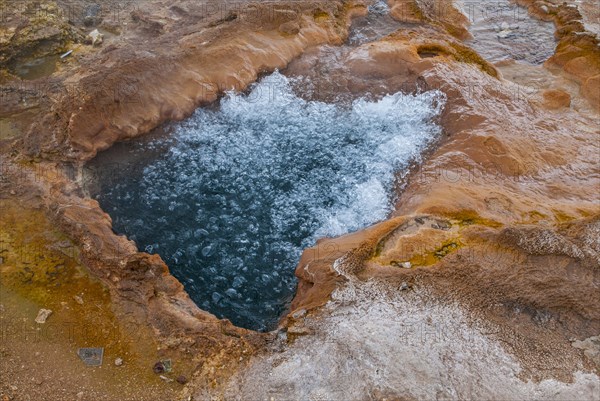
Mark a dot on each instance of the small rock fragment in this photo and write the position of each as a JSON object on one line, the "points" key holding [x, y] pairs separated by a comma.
{"points": [[165, 378], [181, 379], [43, 315], [158, 367], [289, 28], [555, 99], [300, 313], [91, 356], [403, 286], [168, 365], [406, 265], [590, 347], [118, 362], [94, 38], [78, 299], [299, 330]]}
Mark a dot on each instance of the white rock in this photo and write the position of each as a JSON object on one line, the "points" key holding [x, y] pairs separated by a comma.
{"points": [[504, 34], [300, 313], [406, 265], [43, 315], [118, 362], [96, 37]]}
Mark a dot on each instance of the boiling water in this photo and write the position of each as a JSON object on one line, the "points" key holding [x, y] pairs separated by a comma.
{"points": [[231, 197]]}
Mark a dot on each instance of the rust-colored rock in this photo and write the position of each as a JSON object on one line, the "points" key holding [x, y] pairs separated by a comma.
{"points": [[556, 99]]}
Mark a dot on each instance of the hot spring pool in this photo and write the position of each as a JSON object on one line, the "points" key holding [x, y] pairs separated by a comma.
{"points": [[233, 194]]}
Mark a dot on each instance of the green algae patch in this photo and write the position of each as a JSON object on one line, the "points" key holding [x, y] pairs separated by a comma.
{"points": [[471, 217], [561, 216], [432, 257], [7, 129], [320, 15], [534, 217], [465, 54], [413, 247]]}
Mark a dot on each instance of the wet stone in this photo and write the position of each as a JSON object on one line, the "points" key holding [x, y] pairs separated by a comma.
{"points": [[91, 356], [158, 367]]}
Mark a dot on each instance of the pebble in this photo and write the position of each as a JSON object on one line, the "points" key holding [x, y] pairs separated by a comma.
{"points": [[504, 34], [181, 379], [118, 362], [158, 367], [95, 37], [78, 299], [299, 314], [406, 265], [403, 286], [43, 315]]}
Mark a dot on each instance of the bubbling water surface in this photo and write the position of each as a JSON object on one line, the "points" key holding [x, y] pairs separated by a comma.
{"points": [[234, 194]]}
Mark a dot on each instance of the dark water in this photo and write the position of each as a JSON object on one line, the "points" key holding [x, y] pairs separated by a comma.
{"points": [[231, 197]]}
